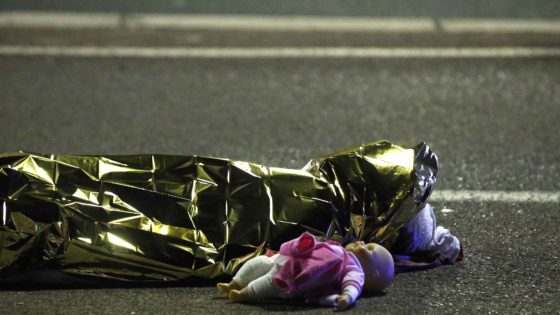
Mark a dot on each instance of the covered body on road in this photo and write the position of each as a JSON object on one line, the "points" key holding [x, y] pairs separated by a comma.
{"points": [[164, 217]]}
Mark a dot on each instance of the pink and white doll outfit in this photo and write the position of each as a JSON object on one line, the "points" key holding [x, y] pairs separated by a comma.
{"points": [[304, 268]]}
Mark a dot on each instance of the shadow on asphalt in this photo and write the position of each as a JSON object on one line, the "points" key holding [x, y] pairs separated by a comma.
{"points": [[278, 305], [31, 281]]}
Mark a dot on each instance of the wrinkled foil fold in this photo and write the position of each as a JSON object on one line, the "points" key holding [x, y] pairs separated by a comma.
{"points": [[160, 218]]}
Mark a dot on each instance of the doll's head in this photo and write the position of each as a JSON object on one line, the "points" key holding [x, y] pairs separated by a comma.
{"points": [[377, 264]]}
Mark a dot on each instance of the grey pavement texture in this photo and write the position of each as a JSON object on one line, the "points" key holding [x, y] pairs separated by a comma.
{"points": [[398, 8], [253, 38], [492, 122]]}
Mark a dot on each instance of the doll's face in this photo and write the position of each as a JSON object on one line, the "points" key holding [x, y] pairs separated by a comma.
{"points": [[377, 264]]}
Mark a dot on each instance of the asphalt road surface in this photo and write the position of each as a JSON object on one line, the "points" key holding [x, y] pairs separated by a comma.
{"points": [[492, 121]]}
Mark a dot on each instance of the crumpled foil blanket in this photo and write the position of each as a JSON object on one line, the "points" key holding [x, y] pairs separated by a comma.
{"points": [[156, 218]]}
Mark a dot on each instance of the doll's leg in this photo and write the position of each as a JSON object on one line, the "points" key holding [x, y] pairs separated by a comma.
{"points": [[260, 288], [251, 270]]}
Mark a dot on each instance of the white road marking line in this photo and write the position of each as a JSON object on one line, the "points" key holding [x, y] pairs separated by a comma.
{"points": [[287, 52], [497, 196], [75, 20], [279, 23], [500, 26], [58, 20]]}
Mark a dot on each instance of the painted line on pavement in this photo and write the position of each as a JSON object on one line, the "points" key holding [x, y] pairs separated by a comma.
{"points": [[77, 20], [277, 53], [499, 26], [59, 20], [496, 195], [280, 23]]}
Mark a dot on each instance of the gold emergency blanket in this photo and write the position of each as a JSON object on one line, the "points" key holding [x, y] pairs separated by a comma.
{"points": [[164, 218]]}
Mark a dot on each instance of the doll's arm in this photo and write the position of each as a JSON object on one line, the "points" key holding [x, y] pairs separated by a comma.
{"points": [[351, 288], [352, 284]]}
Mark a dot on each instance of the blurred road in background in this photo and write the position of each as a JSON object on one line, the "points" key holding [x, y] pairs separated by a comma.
{"points": [[278, 83], [354, 8]]}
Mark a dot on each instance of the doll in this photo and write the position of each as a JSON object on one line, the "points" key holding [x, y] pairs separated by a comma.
{"points": [[323, 273]]}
